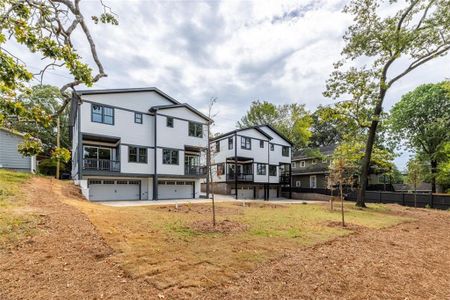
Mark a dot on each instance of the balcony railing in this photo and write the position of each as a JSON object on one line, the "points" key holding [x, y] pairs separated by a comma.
{"points": [[240, 177], [101, 164], [195, 170], [285, 179]]}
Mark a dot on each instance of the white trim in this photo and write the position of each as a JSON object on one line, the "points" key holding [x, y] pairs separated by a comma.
{"points": [[313, 179]]}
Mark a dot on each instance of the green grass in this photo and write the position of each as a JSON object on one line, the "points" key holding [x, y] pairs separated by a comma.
{"points": [[161, 243], [16, 221]]}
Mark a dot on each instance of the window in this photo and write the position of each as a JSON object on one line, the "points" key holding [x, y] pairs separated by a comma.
{"points": [[246, 143], [272, 147], [170, 157], [137, 154], [230, 143], [218, 146], [220, 169], [285, 151], [169, 122], [324, 160], [195, 129], [298, 183], [138, 118], [260, 169], [102, 114], [312, 181], [302, 164], [261, 144], [272, 170], [314, 161]]}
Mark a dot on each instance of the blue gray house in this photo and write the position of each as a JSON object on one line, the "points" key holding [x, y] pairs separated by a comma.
{"points": [[10, 158]]}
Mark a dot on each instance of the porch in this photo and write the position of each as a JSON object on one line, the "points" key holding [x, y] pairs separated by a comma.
{"points": [[101, 154]]}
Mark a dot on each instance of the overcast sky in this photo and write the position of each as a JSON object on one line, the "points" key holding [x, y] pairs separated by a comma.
{"points": [[237, 51]]}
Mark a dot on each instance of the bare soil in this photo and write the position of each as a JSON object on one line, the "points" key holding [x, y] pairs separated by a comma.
{"points": [[225, 226], [69, 259]]}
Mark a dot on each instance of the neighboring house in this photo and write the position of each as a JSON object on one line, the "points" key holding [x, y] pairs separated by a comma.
{"points": [[253, 162], [310, 167], [10, 158], [136, 144], [422, 187]]}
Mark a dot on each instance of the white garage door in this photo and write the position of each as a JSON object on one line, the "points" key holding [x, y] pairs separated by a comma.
{"points": [[272, 193], [175, 189], [243, 193], [105, 190]]}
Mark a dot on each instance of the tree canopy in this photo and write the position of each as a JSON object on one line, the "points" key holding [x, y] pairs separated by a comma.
{"points": [[292, 120], [416, 33], [421, 119]]}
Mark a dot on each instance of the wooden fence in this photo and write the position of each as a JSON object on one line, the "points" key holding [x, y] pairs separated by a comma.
{"points": [[438, 201]]}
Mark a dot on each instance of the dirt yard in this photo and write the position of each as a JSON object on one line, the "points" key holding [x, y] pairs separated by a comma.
{"points": [[68, 257]]}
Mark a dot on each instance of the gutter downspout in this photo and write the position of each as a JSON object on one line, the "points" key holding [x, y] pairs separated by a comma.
{"points": [[268, 170], [155, 169], [235, 165]]}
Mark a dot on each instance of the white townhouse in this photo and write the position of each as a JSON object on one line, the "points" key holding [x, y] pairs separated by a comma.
{"points": [[136, 144], [253, 162]]}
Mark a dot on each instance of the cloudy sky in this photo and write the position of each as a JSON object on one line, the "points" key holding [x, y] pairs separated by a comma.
{"points": [[237, 51]]}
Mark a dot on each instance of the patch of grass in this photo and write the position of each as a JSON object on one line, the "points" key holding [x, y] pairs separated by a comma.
{"points": [[159, 243], [16, 221]]}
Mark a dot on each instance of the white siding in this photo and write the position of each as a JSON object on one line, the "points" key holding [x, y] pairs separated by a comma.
{"points": [[9, 155]]}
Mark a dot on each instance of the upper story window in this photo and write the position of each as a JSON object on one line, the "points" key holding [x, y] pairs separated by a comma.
{"points": [[102, 114], [260, 169], [137, 154], [218, 146], [230, 143], [285, 151], [169, 122], [314, 161], [272, 170], [261, 144], [302, 164], [246, 143], [195, 129], [137, 118], [324, 160], [170, 156], [220, 169], [272, 147]]}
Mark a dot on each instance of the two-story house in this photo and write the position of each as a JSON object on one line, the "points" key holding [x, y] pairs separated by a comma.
{"points": [[253, 162], [310, 167], [136, 144]]}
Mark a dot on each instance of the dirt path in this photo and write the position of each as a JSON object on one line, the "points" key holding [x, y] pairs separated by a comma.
{"points": [[68, 259], [408, 261]]}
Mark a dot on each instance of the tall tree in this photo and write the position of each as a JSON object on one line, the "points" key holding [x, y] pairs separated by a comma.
{"points": [[324, 131], [422, 120], [46, 28], [292, 120], [416, 33]]}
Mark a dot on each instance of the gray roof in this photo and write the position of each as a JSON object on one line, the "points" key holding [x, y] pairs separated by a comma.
{"points": [[305, 153], [161, 107]]}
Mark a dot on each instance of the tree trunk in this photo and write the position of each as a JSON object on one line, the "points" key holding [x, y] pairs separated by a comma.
{"points": [[433, 175], [331, 199], [361, 201], [212, 199], [208, 165], [342, 204], [58, 144]]}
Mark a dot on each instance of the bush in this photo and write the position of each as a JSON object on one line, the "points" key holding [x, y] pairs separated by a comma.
{"points": [[48, 167]]}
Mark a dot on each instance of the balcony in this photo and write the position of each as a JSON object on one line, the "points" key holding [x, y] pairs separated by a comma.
{"points": [[195, 170], [101, 165], [240, 177], [285, 179]]}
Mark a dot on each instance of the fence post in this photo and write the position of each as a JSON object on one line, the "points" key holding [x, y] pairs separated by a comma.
{"points": [[379, 196], [403, 199], [431, 199]]}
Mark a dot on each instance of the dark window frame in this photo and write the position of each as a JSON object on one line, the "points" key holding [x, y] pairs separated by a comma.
{"points": [[261, 169], [271, 169], [138, 118], [102, 114], [272, 147], [171, 156], [244, 144], [197, 127], [261, 144], [220, 169], [230, 143], [217, 146], [138, 155], [169, 122], [285, 151]]}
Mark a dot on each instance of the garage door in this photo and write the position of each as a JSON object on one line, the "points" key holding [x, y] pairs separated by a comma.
{"points": [[272, 193], [244, 193], [175, 189], [105, 190]]}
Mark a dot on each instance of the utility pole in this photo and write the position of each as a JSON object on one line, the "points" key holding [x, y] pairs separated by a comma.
{"points": [[58, 145]]}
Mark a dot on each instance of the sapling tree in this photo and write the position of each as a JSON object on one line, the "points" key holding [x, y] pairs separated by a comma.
{"points": [[209, 153], [415, 175], [375, 43]]}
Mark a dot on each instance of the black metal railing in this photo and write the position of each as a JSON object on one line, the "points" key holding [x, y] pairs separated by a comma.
{"points": [[240, 177], [101, 164], [285, 179], [195, 170]]}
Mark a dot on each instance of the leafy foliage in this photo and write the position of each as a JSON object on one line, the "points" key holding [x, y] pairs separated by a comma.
{"points": [[61, 154], [292, 120], [30, 146], [325, 130], [416, 33]]}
